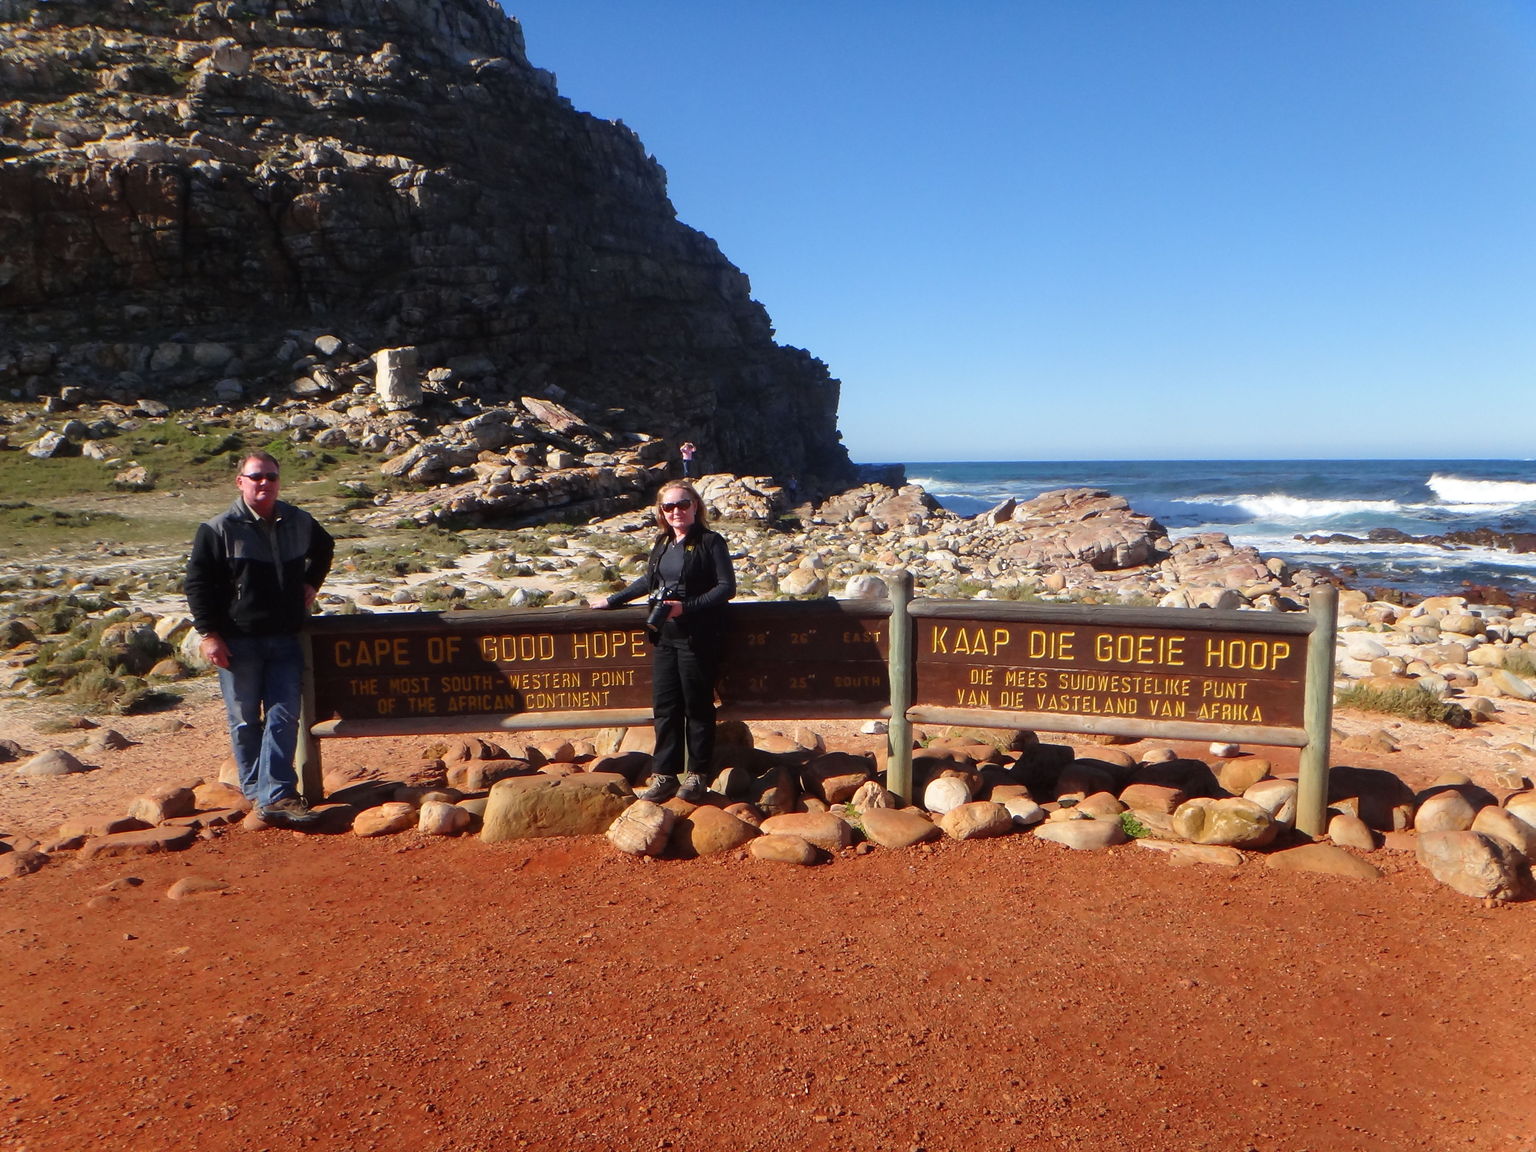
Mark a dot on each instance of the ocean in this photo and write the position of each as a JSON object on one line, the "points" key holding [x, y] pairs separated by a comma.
{"points": [[1270, 503]]}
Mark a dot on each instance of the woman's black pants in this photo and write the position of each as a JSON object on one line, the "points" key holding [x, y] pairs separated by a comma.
{"points": [[683, 702]]}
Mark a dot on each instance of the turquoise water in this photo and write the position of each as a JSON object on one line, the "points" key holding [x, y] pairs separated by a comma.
{"points": [[1270, 503]]}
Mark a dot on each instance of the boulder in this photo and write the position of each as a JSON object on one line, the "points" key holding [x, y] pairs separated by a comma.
{"points": [[944, 793], [899, 827], [1277, 797], [386, 819], [1445, 811], [1384, 801], [784, 850], [145, 842], [22, 863], [584, 804], [1211, 855], [1235, 822], [162, 804], [53, 762], [1522, 806], [1152, 798], [1083, 835], [1472, 863], [441, 818], [709, 831], [1237, 776], [189, 886], [101, 825], [872, 794], [835, 776], [642, 829], [1024, 811], [977, 820], [1328, 859], [217, 794], [1503, 824], [819, 828], [1084, 777], [1349, 831]]}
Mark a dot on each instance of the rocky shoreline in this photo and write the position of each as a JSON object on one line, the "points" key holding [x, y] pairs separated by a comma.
{"points": [[449, 460]]}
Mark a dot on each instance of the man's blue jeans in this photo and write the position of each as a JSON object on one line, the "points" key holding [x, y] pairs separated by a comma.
{"points": [[262, 686]]}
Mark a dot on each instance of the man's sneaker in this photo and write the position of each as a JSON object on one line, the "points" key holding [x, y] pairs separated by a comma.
{"points": [[662, 788], [693, 788], [288, 811]]}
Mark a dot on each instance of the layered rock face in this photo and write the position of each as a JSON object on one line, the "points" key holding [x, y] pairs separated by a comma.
{"points": [[177, 174]]}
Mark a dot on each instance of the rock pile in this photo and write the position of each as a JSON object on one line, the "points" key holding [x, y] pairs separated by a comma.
{"points": [[1451, 650], [791, 799]]}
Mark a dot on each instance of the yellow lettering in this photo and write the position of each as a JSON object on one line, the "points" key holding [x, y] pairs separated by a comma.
{"points": [[379, 650], [1043, 645], [442, 649], [1259, 655]]}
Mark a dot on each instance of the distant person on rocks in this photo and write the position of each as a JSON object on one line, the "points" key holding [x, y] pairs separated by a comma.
{"points": [[686, 450], [254, 573], [688, 580]]}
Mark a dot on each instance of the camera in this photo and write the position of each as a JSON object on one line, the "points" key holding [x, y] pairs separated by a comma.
{"points": [[660, 609]]}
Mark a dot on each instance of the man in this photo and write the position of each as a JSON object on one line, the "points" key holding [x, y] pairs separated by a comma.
{"points": [[253, 574]]}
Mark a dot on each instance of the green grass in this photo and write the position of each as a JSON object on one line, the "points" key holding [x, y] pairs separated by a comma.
{"points": [[406, 550], [24, 516], [100, 664], [181, 455], [969, 588], [1408, 703], [1520, 662]]}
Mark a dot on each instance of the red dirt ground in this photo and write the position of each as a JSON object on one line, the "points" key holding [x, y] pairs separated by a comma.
{"points": [[432, 994]]}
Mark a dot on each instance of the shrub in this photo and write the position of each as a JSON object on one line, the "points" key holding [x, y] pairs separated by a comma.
{"points": [[1414, 703], [1520, 662]]}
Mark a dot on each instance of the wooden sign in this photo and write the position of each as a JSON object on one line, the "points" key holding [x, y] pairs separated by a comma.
{"points": [[823, 658], [1227, 670], [442, 665], [1253, 677], [819, 658]]}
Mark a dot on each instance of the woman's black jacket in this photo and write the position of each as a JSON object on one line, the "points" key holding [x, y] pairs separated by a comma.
{"points": [[709, 582]]}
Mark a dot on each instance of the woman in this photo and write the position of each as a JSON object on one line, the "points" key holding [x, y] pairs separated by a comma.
{"points": [[688, 578]]}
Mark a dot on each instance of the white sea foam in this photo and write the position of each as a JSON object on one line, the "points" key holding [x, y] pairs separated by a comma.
{"points": [[1489, 494], [1293, 508], [1424, 557]]}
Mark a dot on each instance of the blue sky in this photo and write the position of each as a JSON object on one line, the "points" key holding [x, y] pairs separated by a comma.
{"points": [[1103, 229]]}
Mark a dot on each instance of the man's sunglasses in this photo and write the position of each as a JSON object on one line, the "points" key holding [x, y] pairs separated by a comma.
{"points": [[272, 476], [675, 505]]}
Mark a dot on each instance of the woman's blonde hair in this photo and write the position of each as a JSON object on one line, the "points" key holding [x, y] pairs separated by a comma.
{"points": [[700, 515]]}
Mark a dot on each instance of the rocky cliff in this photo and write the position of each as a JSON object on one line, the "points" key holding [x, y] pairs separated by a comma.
{"points": [[184, 186]]}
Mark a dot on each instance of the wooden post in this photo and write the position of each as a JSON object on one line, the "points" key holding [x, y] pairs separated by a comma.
{"points": [[898, 775], [1312, 784], [307, 757]]}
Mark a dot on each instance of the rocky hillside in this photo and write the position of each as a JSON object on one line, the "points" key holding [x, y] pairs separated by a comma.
{"points": [[187, 186]]}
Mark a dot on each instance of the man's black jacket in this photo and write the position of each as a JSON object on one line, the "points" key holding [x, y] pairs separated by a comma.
{"points": [[247, 579]]}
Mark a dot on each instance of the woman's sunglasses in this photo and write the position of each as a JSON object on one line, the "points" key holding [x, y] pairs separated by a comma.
{"points": [[676, 505]]}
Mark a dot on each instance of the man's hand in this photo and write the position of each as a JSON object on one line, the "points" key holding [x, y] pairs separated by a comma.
{"points": [[597, 602], [309, 596], [215, 651]]}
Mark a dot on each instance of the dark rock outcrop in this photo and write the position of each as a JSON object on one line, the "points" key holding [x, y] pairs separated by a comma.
{"points": [[184, 185]]}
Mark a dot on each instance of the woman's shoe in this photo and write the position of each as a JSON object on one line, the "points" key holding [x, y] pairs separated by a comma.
{"points": [[662, 788]]}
